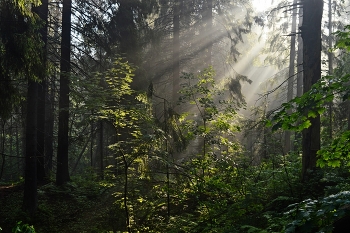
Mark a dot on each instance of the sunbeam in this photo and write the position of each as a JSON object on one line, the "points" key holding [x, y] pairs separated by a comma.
{"points": [[261, 5]]}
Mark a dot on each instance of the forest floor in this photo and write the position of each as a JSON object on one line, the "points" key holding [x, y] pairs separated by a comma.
{"points": [[69, 208]]}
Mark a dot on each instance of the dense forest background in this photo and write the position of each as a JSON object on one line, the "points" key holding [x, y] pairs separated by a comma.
{"points": [[174, 116]]}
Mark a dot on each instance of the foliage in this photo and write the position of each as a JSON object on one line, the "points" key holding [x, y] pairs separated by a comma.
{"points": [[310, 104], [218, 188], [137, 143], [343, 41], [337, 153], [21, 227], [25, 6], [100, 98], [20, 51], [235, 196], [214, 118], [103, 91], [317, 215]]}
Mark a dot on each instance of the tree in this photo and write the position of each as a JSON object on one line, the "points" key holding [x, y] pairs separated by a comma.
{"points": [[12, 53], [32, 122], [207, 31], [42, 13], [30, 198], [311, 35], [176, 49], [62, 175], [21, 56], [299, 90], [290, 87]]}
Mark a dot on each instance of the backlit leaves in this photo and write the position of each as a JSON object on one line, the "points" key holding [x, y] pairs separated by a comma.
{"points": [[309, 105], [343, 41], [337, 153]]}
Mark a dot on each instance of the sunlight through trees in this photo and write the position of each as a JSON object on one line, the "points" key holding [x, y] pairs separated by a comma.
{"points": [[174, 116]]}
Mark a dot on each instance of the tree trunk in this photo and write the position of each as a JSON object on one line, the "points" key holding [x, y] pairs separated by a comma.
{"points": [[42, 12], [42, 176], [62, 175], [311, 34], [287, 135], [18, 153], [34, 148], [2, 147], [300, 57], [330, 66], [101, 148], [49, 125], [208, 28], [176, 50], [30, 196]]}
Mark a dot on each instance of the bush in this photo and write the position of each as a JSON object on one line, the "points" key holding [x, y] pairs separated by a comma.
{"points": [[21, 227]]}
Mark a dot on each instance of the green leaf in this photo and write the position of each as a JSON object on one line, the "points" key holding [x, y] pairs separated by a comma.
{"points": [[334, 163], [306, 124], [312, 114]]}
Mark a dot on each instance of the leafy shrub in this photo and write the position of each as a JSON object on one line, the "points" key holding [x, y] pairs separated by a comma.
{"points": [[21, 227], [317, 215]]}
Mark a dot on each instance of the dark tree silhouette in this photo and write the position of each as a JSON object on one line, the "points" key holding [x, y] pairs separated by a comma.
{"points": [[62, 175], [311, 34]]}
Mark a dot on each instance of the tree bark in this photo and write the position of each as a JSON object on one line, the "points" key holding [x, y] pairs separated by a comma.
{"points": [[42, 12], [300, 57], [330, 66], [101, 148], [287, 135], [176, 50], [49, 125], [311, 34], [2, 148], [35, 123], [62, 175], [30, 196]]}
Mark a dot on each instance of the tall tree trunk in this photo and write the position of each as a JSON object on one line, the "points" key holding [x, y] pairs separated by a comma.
{"points": [[18, 153], [91, 142], [33, 125], [287, 135], [41, 165], [311, 34], [299, 89], [49, 125], [208, 22], [30, 196], [2, 147], [62, 175], [330, 66], [101, 148], [42, 12], [300, 57], [176, 50]]}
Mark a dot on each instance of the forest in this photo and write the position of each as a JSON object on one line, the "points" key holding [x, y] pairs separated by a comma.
{"points": [[179, 116]]}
